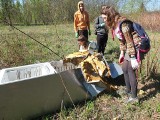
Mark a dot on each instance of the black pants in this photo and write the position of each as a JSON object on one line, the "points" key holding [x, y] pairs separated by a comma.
{"points": [[101, 42], [130, 78], [83, 32]]}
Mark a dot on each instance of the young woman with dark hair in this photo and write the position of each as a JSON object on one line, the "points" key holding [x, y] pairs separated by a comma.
{"points": [[123, 29]]}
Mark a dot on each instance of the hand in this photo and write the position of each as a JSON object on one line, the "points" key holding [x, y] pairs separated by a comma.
{"points": [[76, 34], [102, 24], [134, 63], [121, 57], [89, 32]]}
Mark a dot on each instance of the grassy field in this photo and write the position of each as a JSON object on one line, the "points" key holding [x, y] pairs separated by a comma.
{"points": [[19, 49], [59, 39]]}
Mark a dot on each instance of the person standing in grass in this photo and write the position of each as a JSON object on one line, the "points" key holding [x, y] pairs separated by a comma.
{"points": [[101, 31], [81, 21], [123, 29]]}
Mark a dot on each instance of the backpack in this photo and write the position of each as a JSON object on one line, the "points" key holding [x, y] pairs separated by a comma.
{"points": [[144, 46]]}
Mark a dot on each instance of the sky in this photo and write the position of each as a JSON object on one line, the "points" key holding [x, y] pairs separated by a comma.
{"points": [[153, 5]]}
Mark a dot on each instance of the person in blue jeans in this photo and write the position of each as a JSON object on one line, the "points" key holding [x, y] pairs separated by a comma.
{"points": [[101, 30]]}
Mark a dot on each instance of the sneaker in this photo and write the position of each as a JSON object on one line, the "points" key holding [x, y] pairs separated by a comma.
{"points": [[132, 100]]}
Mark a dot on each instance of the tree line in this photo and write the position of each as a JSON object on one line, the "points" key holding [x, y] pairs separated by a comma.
{"points": [[35, 12]]}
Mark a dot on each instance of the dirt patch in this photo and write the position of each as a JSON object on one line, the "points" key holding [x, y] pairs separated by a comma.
{"points": [[149, 89]]}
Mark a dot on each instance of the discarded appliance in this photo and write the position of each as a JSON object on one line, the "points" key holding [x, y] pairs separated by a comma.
{"points": [[33, 90]]}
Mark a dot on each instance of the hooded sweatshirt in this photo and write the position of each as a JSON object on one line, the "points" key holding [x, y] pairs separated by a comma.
{"points": [[81, 19]]}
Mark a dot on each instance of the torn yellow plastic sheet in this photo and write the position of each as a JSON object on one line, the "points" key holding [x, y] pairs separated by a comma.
{"points": [[93, 67]]}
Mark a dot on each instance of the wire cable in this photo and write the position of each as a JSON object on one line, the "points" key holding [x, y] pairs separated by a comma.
{"points": [[34, 40]]}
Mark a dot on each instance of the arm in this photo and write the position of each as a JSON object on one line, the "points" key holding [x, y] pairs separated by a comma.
{"points": [[96, 23], [75, 23], [126, 30], [122, 48], [122, 45], [99, 24], [88, 21]]}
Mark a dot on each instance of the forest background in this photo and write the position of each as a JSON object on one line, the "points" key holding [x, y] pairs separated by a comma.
{"points": [[47, 12]]}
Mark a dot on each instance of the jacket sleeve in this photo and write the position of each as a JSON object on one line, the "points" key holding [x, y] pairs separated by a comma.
{"points": [[75, 23], [96, 23], [127, 32], [88, 21], [122, 45]]}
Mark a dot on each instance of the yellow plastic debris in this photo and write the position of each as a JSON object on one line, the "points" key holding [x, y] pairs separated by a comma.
{"points": [[141, 92], [93, 67]]}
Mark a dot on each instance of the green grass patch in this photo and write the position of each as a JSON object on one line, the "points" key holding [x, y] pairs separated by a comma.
{"points": [[19, 49]]}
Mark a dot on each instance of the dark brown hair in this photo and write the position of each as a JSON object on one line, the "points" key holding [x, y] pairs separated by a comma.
{"points": [[103, 7], [82, 38], [111, 13]]}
